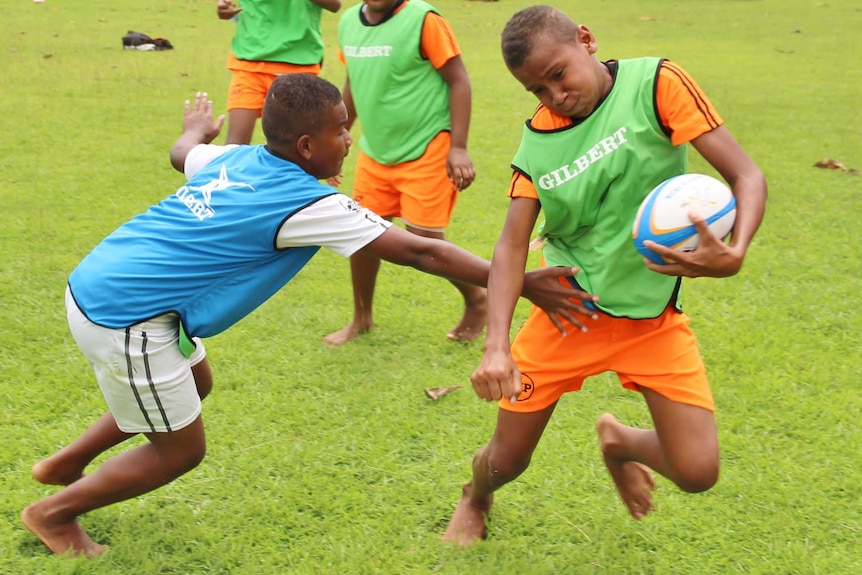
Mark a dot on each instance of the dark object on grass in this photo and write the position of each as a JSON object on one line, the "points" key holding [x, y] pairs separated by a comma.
{"points": [[140, 41]]}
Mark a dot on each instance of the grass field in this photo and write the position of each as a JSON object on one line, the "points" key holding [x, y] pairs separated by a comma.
{"points": [[333, 461]]}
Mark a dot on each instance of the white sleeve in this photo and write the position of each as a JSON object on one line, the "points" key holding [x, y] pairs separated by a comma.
{"points": [[335, 222], [201, 155]]}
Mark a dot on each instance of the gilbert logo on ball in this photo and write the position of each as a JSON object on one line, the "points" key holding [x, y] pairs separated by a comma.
{"points": [[663, 214]]}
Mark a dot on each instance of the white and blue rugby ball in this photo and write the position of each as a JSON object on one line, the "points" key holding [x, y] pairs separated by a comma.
{"points": [[663, 214]]}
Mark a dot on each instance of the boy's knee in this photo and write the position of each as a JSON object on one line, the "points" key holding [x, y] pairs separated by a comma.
{"points": [[504, 467], [192, 458], [180, 458], [697, 478]]}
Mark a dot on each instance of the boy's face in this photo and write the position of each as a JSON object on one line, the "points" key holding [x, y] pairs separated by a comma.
{"points": [[565, 77], [328, 148]]}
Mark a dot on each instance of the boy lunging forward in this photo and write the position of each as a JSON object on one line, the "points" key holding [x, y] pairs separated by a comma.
{"points": [[620, 125], [249, 218]]}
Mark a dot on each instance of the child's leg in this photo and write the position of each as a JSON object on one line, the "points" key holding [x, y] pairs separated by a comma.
{"points": [[372, 189], [363, 273], [67, 465], [246, 95], [683, 447], [240, 126], [167, 456], [475, 301], [502, 460], [427, 202]]}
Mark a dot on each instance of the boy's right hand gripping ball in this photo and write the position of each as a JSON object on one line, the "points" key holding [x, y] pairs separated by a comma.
{"points": [[663, 215]]}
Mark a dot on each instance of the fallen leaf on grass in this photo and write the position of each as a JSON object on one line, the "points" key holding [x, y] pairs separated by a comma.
{"points": [[830, 164], [436, 393]]}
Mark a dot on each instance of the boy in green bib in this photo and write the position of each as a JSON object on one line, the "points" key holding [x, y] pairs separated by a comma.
{"points": [[604, 135], [407, 85], [273, 37]]}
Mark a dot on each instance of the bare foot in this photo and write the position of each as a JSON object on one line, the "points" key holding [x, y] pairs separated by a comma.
{"points": [[54, 471], [467, 525], [63, 538], [634, 481], [345, 334], [472, 323]]}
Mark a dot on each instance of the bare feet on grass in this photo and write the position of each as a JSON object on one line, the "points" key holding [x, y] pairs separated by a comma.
{"points": [[60, 538], [346, 334], [467, 525], [55, 471], [634, 481], [472, 323]]}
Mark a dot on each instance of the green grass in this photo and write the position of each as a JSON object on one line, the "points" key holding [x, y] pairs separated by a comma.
{"points": [[333, 461]]}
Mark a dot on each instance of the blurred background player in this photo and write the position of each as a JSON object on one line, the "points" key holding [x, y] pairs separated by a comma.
{"points": [[407, 84], [272, 37]]}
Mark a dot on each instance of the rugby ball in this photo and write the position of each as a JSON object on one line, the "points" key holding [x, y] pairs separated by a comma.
{"points": [[663, 214]]}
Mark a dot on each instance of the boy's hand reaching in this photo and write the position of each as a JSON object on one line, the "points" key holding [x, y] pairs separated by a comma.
{"points": [[227, 9], [460, 168], [544, 289], [198, 128], [198, 119], [712, 258]]}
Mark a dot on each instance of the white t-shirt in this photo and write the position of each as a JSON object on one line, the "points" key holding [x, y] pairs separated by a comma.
{"points": [[335, 222]]}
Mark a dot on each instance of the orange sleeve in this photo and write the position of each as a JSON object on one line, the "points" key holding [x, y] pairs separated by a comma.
{"points": [[682, 106], [543, 119], [438, 43], [522, 187]]}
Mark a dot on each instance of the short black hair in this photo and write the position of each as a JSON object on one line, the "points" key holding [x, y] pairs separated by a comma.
{"points": [[525, 26], [296, 104]]}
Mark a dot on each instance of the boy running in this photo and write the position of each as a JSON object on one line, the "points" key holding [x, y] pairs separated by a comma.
{"points": [[620, 127]]}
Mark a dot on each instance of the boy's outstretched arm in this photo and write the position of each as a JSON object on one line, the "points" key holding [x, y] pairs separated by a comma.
{"points": [[714, 258], [198, 128], [458, 163], [445, 259]]}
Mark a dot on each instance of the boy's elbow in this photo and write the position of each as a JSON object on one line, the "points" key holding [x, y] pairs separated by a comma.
{"points": [[399, 247], [178, 161], [764, 186]]}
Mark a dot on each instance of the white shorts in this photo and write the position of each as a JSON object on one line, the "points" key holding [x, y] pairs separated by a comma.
{"points": [[146, 380]]}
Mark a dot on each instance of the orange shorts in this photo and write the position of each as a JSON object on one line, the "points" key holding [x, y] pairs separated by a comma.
{"points": [[419, 192], [247, 90], [660, 354]]}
